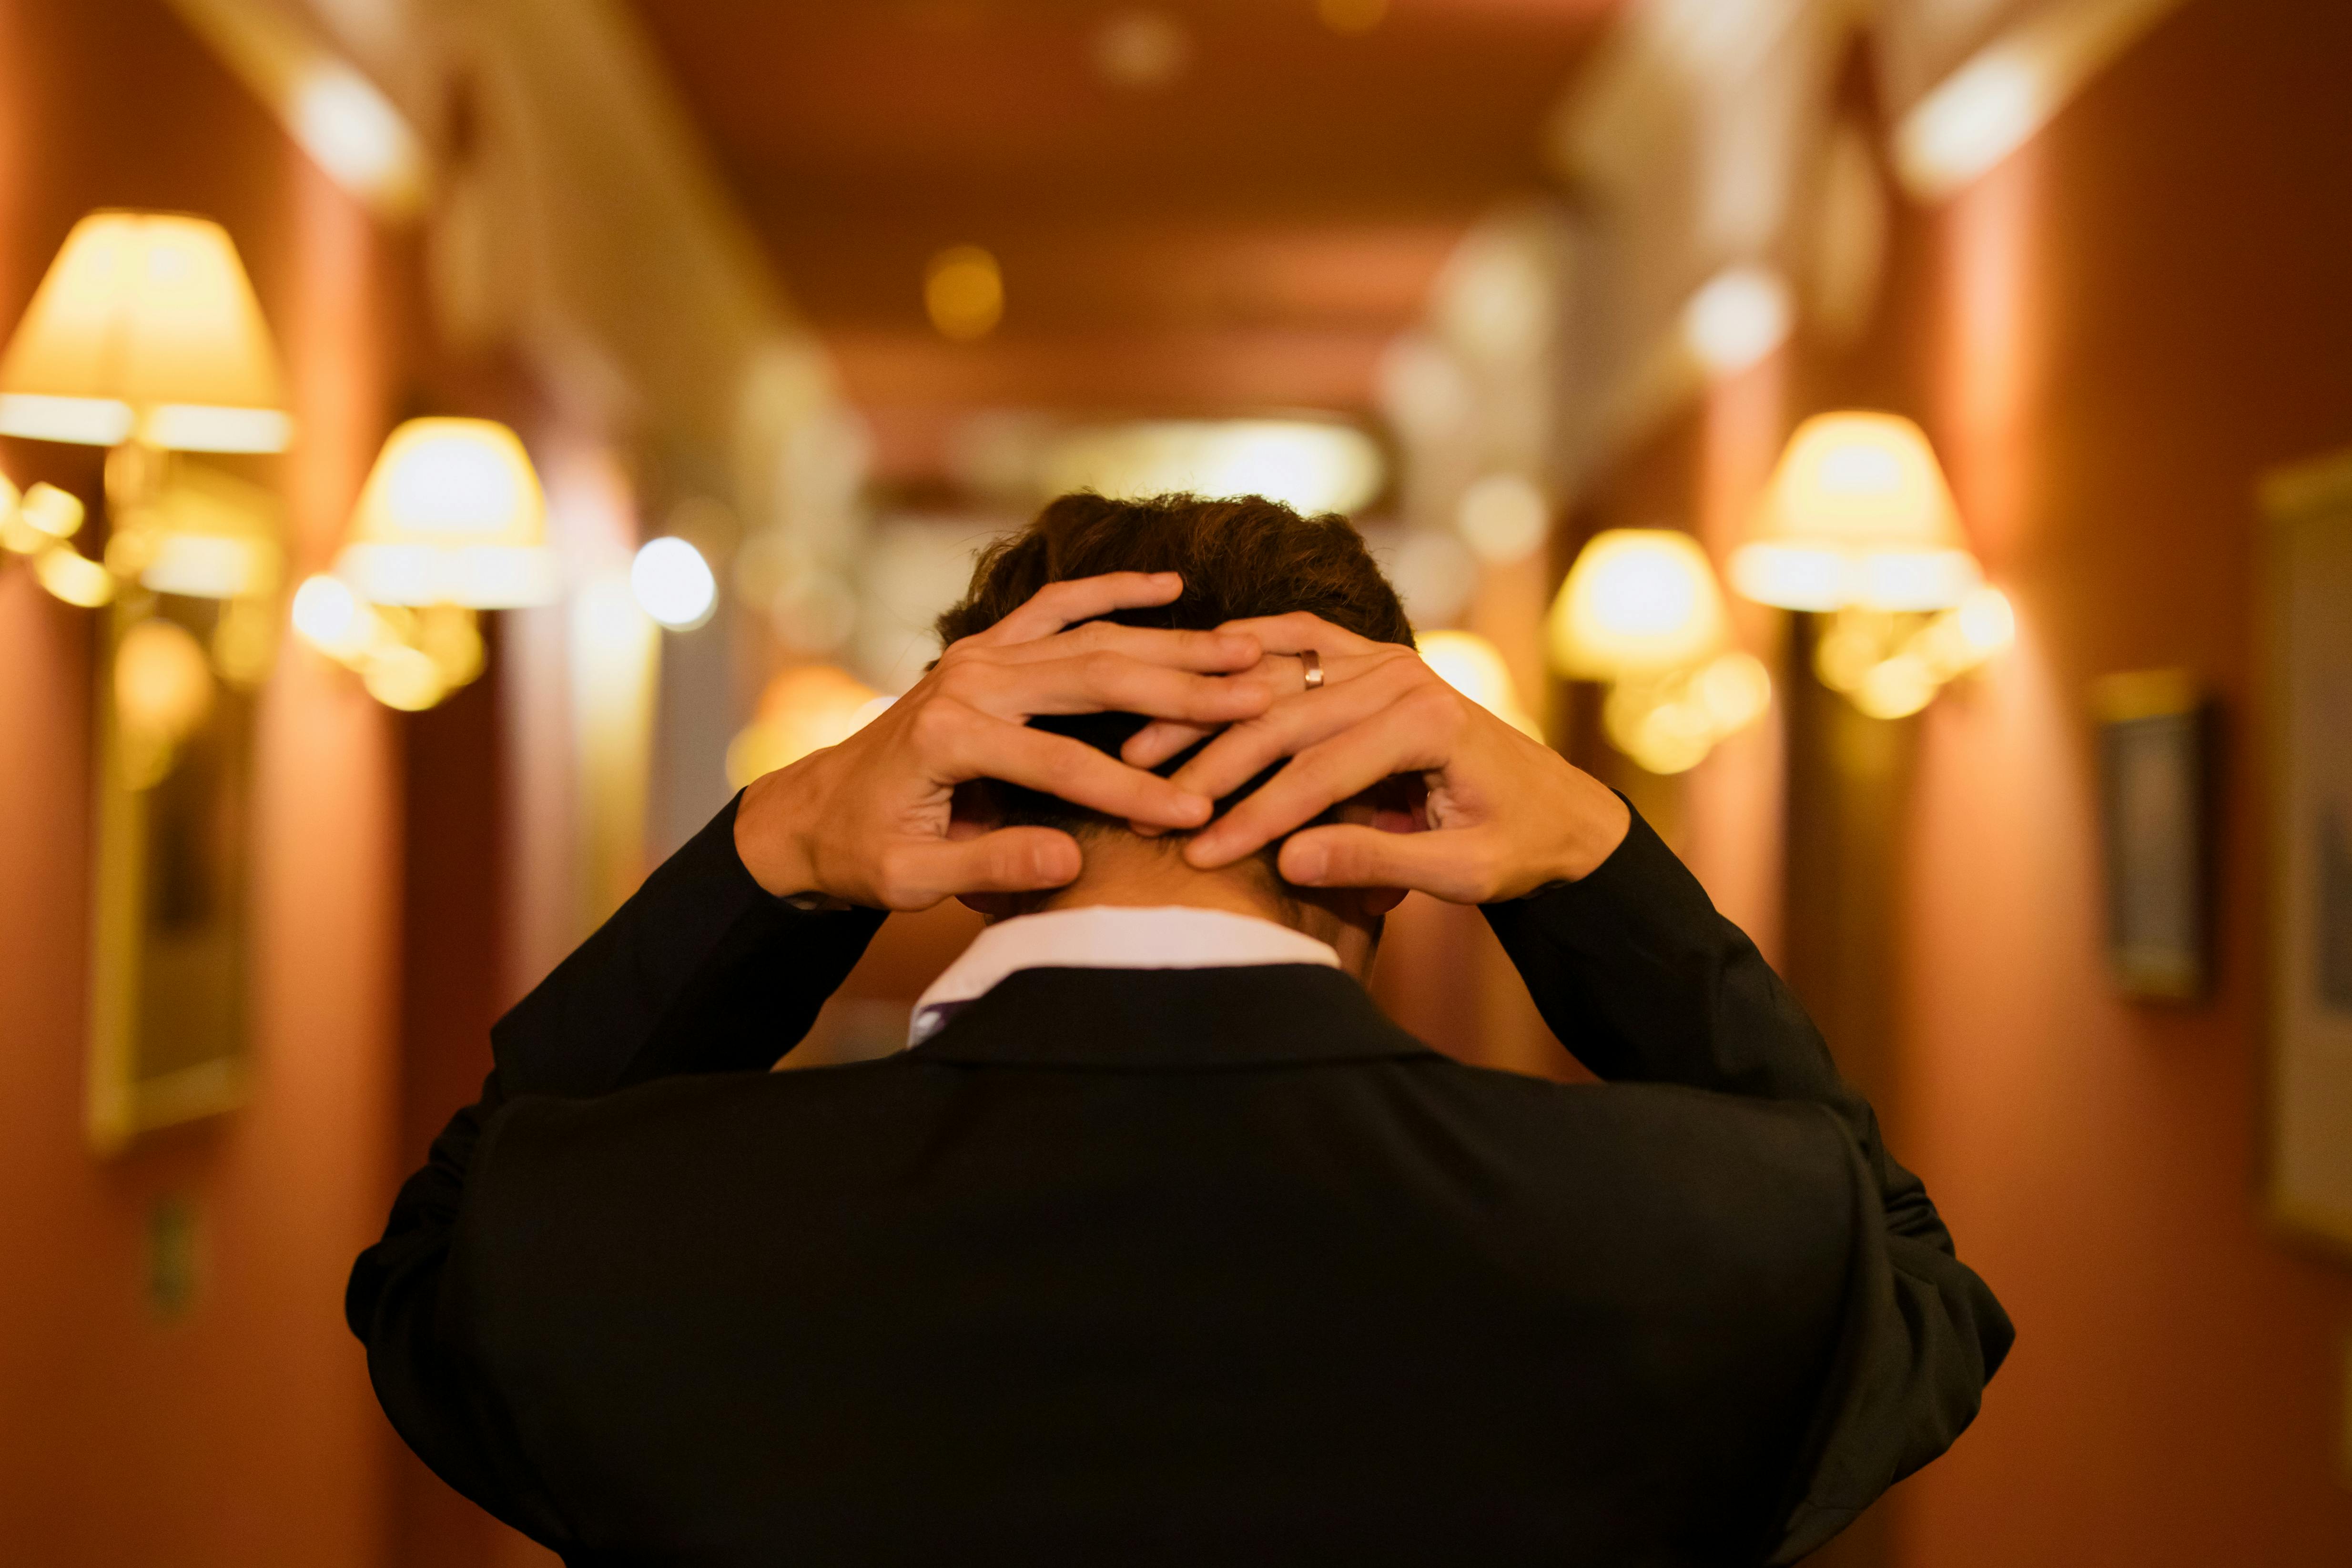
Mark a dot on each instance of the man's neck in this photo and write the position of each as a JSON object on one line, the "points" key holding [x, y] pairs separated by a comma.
{"points": [[1124, 870]]}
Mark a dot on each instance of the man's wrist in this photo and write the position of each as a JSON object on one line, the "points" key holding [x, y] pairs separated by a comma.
{"points": [[769, 839], [1593, 820]]}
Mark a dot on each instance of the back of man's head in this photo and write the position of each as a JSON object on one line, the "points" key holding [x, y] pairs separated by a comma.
{"points": [[1240, 558]]}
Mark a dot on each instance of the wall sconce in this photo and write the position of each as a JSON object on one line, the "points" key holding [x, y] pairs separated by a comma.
{"points": [[451, 521], [1475, 667], [1858, 523], [144, 336], [804, 709], [1641, 612]]}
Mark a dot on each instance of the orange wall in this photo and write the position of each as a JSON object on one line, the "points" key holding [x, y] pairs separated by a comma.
{"points": [[2108, 337], [243, 1434], [2123, 327]]}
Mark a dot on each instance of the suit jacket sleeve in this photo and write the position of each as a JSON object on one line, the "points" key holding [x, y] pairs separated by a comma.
{"points": [[1636, 972], [701, 971]]}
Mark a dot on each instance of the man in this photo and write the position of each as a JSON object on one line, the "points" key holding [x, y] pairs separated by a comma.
{"points": [[1161, 1244]]}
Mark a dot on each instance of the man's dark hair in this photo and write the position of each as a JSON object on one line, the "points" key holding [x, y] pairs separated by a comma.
{"points": [[1240, 557]]}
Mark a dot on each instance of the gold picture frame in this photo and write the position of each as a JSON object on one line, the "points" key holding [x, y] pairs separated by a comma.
{"points": [[2308, 719], [176, 713], [2153, 820]]}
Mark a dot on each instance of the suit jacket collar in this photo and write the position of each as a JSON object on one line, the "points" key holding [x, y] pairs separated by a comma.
{"points": [[1160, 1018]]}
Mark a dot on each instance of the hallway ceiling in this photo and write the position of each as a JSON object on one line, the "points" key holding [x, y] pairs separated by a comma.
{"points": [[1245, 234]]}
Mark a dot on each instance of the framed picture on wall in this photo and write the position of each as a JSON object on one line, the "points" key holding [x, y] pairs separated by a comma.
{"points": [[2308, 615], [177, 720], [2152, 784]]}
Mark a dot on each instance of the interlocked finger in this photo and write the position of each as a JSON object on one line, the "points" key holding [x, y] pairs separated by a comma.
{"points": [[1294, 723], [972, 745], [1109, 682], [1404, 738], [1300, 630], [1076, 598], [1205, 653], [1155, 743]]}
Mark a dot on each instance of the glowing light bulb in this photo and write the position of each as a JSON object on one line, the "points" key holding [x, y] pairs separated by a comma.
{"points": [[332, 618], [1504, 516], [1737, 318], [674, 584], [1986, 621], [963, 293], [161, 683]]}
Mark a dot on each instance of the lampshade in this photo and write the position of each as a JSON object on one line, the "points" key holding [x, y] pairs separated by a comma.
{"points": [[1856, 513], [1639, 602], [145, 325], [452, 513], [1475, 667]]}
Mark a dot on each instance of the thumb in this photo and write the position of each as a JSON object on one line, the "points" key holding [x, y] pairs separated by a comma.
{"points": [[1008, 860], [1444, 864]]}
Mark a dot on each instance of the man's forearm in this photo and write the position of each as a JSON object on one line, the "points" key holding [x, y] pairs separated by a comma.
{"points": [[702, 971], [1638, 975]]}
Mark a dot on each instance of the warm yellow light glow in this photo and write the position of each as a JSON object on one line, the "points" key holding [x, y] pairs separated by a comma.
{"points": [[1638, 601], [1733, 689], [53, 513], [402, 677], [1504, 516], [145, 323], [1351, 16], [1896, 687], [674, 584], [332, 618], [1309, 465], [245, 642], [336, 115], [1996, 102], [1737, 317], [1475, 667], [1669, 723], [73, 576], [451, 637], [1891, 664], [963, 293], [1857, 512], [452, 513], [1142, 48], [200, 532], [1987, 624], [802, 710], [161, 683], [354, 133]]}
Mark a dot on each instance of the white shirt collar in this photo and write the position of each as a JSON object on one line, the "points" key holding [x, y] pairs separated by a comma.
{"points": [[1103, 936]]}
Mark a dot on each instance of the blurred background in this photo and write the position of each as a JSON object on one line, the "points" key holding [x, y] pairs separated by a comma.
{"points": [[450, 443]]}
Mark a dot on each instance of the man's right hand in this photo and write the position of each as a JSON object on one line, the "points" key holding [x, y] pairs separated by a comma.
{"points": [[1504, 815], [870, 822]]}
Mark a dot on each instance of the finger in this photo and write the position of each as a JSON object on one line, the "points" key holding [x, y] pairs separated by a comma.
{"points": [[1293, 724], [1160, 740], [1112, 682], [1451, 863], [1299, 630], [1206, 653], [918, 874], [1156, 742], [1059, 604], [1398, 740], [969, 745]]}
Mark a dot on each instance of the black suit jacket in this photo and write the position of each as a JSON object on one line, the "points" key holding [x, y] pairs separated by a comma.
{"points": [[1137, 1265]]}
